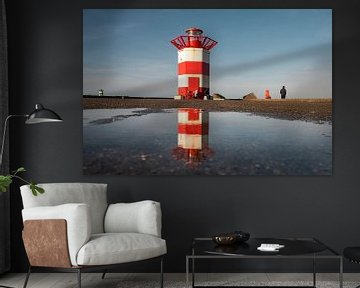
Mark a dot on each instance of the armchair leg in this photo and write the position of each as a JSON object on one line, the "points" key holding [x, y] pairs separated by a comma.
{"points": [[161, 273], [103, 275], [27, 277], [79, 277]]}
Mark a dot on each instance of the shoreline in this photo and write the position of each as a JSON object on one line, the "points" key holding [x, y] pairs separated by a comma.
{"points": [[314, 110]]}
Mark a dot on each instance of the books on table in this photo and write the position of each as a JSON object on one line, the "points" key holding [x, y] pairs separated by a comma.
{"points": [[270, 247]]}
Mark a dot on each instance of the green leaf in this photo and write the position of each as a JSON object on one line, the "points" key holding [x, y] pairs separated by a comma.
{"points": [[39, 189], [33, 189], [5, 182], [20, 169], [36, 189]]}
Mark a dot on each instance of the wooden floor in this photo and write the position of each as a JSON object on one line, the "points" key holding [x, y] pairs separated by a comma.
{"points": [[117, 280]]}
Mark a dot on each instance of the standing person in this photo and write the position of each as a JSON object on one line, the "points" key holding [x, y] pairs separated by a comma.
{"points": [[283, 92]]}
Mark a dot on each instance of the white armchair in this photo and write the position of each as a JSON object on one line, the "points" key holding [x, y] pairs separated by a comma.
{"points": [[71, 227]]}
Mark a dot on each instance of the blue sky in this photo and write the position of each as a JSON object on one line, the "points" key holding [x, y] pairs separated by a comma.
{"points": [[128, 51]]}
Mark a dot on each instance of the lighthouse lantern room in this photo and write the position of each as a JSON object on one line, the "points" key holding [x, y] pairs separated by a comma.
{"points": [[193, 63]]}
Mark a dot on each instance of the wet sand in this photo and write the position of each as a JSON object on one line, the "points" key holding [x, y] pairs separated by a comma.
{"points": [[314, 110]]}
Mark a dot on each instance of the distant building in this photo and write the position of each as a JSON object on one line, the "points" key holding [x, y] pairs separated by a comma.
{"points": [[101, 92]]}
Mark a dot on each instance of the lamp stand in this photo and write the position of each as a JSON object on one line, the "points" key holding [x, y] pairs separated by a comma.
{"points": [[4, 135]]}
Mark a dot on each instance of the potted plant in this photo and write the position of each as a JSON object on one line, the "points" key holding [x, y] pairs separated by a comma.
{"points": [[6, 180]]}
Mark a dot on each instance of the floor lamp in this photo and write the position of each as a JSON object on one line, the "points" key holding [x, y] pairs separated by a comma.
{"points": [[39, 115]]}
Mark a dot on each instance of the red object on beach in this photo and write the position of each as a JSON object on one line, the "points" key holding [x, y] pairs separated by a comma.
{"points": [[193, 63], [267, 94]]}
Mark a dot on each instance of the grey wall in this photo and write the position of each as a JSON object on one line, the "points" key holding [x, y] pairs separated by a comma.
{"points": [[45, 39]]}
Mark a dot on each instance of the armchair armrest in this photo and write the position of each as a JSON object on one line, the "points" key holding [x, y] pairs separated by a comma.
{"points": [[52, 250], [78, 223], [138, 217]]}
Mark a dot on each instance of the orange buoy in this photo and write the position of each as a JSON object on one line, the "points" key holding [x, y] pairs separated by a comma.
{"points": [[267, 94]]}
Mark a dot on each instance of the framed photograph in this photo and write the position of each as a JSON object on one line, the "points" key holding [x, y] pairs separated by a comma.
{"points": [[207, 92]]}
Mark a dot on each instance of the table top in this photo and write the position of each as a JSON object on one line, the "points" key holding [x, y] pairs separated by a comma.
{"points": [[292, 247]]}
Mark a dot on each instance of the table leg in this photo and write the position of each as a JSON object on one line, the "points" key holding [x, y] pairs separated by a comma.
{"points": [[193, 272], [314, 271], [187, 272], [341, 273]]}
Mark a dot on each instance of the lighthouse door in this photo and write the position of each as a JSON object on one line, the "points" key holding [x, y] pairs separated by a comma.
{"points": [[194, 83]]}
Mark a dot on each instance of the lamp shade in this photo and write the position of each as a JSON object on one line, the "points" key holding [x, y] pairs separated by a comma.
{"points": [[42, 115]]}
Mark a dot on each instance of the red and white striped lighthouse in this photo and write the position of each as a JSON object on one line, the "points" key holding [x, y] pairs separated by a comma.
{"points": [[193, 136], [193, 63]]}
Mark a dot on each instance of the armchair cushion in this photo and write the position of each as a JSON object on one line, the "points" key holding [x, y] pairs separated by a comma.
{"points": [[93, 194], [113, 248], [78, 221], [138, 217]]}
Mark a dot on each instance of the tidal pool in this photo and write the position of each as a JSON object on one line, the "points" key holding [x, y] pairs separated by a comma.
{"points": [[196, 142]]}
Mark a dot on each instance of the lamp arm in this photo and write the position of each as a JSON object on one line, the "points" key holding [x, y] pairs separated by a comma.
{"points": [[4, 134]]}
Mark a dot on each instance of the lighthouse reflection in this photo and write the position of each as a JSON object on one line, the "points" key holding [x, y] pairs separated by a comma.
{"points": [[193, 136]]}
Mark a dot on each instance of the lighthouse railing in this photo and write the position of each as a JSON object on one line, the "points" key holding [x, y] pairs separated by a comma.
{"points": [[184, 41]]}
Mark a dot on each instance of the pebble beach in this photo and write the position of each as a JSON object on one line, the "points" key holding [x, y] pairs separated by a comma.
{"points": [[314, 110]]}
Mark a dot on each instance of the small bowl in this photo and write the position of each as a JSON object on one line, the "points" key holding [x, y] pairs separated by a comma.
{"points": [[224, 239]]}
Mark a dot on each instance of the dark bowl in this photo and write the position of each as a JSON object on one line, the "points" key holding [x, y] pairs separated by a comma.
{"points": [[225, 239], [241, 236]]}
